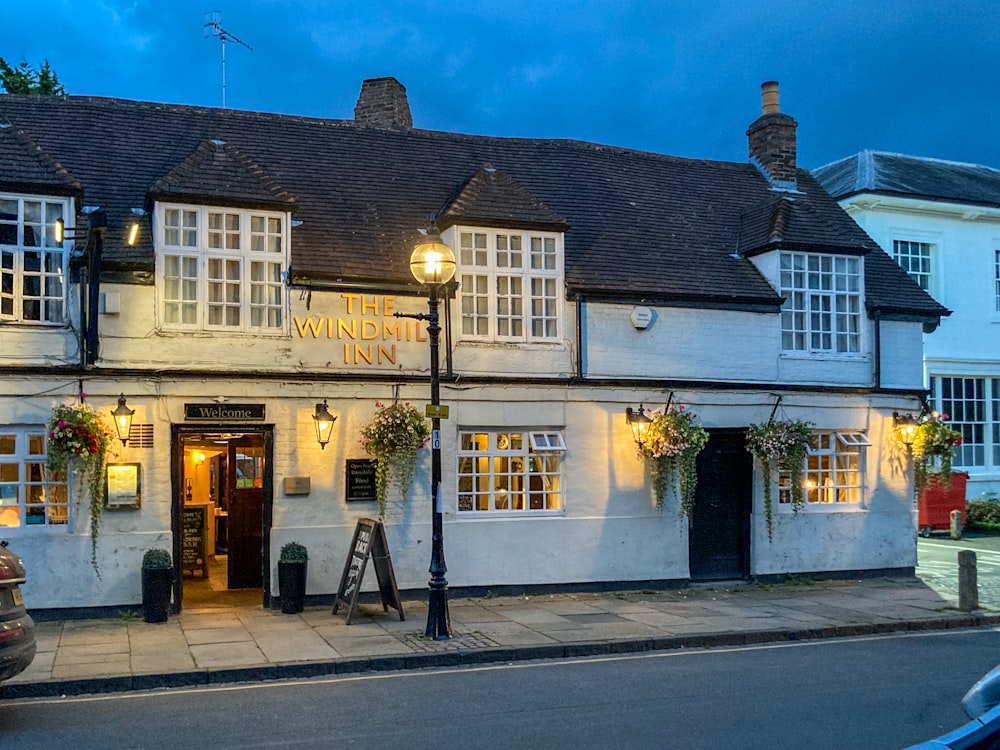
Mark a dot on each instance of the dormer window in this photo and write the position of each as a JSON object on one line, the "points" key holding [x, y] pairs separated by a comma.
{"points": [[822, 309], [510, 285], [222, 269], [32, 264]]}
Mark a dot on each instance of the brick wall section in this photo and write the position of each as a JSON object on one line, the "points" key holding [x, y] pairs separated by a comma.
{"points": [[772, 145], [383, 104]]}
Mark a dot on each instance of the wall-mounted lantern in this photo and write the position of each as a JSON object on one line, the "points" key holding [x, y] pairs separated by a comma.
{"points": [[905, 427], [323, 421], [639, 422], [123, 419]]}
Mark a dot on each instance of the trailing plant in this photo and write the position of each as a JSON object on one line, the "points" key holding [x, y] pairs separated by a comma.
{"points": [[781, 445], [76, 433], [393, 437], [293, 552], [156, 559], [670, 445], [933, 443]]}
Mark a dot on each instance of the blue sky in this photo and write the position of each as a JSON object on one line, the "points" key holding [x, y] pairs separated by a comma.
{"points": [[674, 77]]}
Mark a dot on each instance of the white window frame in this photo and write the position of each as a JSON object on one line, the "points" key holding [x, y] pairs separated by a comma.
{"points": [[972, 403], [823, 312], [996, 281], [510, 285], [918, 265], [222, 269], [46, 494], [50, 277], [500, 472], [834, 473]]}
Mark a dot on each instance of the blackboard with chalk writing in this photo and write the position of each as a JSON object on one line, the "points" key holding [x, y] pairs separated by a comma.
{"points": [[361, 479], [193, 539], [368, 541]]}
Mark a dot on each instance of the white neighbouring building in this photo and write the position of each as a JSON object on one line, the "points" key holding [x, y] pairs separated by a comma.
{"points": [[940, 220], [272, 255]]}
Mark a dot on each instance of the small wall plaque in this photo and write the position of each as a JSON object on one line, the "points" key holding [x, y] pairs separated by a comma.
{"points": [[297, 485]]}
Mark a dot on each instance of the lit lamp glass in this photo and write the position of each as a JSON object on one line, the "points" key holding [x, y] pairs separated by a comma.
{"points": [[323, 422], [639, 421], [123, 419], [432, 262]]}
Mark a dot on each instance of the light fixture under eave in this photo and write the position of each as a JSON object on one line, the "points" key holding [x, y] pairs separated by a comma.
{"points": [[133, 234], [323, 421], [639, 422], [905, 427], [123, 419]]}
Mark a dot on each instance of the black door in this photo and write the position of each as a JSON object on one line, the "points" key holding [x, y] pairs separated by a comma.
{"points": [[719, 540], [245, 524]]}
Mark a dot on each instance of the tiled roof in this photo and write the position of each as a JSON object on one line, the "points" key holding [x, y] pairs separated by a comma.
{"points": [[912, 177], [24, 165], [217, 173], [640, 225], [494, 199]]}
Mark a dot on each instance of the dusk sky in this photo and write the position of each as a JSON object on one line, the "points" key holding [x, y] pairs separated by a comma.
{"points": [[675, 77]]}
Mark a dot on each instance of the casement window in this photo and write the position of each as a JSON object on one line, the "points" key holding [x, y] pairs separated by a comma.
{"points": [[510, 285], [32, 264], [510, 472], [834, 471], [973, 408], [915, 259], [30, 495], [822, 309], [222, 269]]}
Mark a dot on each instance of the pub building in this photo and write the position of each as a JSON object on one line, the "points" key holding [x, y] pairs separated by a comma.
{"points": [[229, 277]]}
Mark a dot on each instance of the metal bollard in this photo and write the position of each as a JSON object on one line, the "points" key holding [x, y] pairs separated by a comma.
{"points": [[968, 584], [956, 524]]}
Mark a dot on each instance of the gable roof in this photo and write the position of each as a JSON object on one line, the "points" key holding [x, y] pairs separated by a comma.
{"points": [[912, 177], [638, 226]]}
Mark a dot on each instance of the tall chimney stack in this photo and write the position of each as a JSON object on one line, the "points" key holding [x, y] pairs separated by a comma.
{"points": [[382, 104], [771, 138]]}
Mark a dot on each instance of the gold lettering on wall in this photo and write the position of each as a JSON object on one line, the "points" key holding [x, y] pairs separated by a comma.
{"points": [[367, 318]]}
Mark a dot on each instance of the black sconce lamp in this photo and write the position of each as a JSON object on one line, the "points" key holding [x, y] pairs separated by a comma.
{"points": [[638, 420], [323, 421], [123, 419], [905, 426]]}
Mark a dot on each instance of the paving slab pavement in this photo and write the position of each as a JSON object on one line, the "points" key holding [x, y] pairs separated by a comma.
{"points": [[213, 645]]}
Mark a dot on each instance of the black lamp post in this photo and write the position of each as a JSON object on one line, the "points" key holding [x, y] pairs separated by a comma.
{"points": [[432, 264]]}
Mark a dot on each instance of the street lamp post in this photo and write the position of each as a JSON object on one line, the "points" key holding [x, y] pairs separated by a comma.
{"points": [[432, 264]]}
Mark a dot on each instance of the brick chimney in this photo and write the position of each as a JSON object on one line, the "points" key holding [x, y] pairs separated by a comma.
{"points": [[382, 104], [772, 140]]}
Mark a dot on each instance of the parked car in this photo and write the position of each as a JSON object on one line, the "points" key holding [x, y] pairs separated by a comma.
{"points": [[982, 705], [17, 629]]}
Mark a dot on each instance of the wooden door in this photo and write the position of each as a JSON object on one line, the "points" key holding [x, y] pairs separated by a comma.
{"points": [[245, 525], [719, 538]]}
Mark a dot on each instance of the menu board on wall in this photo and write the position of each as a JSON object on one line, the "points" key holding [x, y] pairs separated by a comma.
{"points": [[193, 539], [360, 479], [123, 486]]}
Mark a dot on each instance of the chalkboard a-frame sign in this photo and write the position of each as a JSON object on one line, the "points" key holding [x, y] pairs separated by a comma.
{"points": [[368, 541]]}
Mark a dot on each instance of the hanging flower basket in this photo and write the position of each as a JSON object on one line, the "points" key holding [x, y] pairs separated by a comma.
{"points": [[670, 446], [933, 446], [393, 437], [781, 445], [78, 437]]}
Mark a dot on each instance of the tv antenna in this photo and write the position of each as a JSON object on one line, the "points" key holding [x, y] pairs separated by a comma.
{"points": [[213, 27]]}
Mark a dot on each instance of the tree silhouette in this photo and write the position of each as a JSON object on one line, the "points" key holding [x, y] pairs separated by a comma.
{"points": [[24, 79]]}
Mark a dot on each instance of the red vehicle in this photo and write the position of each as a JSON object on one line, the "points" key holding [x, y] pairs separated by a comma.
{"points": [[937, 501], [17, 629]]}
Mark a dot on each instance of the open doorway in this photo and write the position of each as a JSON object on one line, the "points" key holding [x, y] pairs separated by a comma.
{"points": [[222, 512]]}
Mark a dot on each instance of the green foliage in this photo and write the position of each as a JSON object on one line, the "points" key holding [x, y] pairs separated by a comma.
{"points": [[781, 445], [393, 437], [293, 552], [24, 79], [156, 559], [932, 448], [77, 436], [983, 513], [671, 444]]}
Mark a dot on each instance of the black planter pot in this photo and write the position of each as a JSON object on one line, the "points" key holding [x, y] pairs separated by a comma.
{"points": [[292, 586], [156, 593]]}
